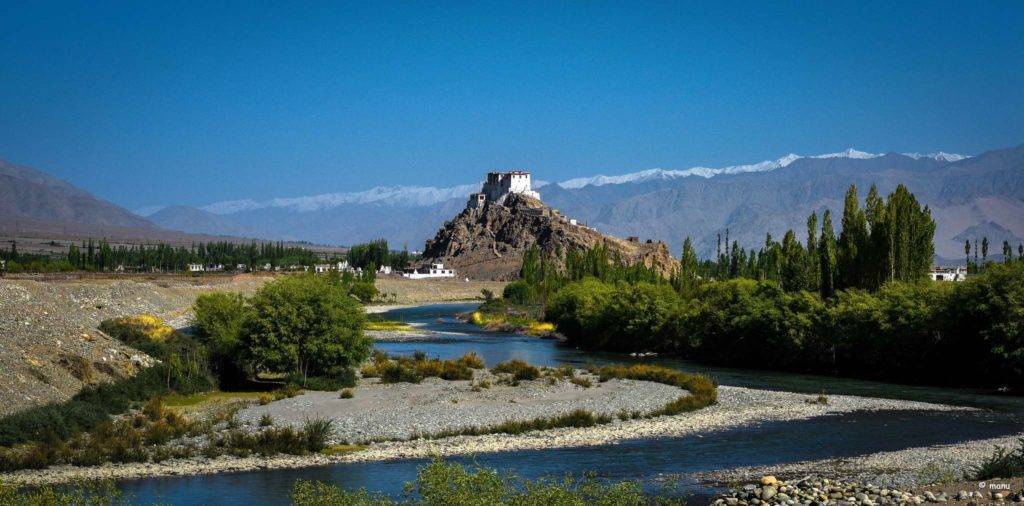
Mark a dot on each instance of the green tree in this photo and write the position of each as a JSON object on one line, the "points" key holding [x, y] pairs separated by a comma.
{"points": [[218, 321], [813, 258], [852, 242], [306, 325], [875, 257], [911, 232], [794, 267], [827, 255]]}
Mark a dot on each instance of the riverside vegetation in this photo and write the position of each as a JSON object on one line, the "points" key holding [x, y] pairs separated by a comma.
{"points": [[439, 483], [859, 306], [296, 330]]}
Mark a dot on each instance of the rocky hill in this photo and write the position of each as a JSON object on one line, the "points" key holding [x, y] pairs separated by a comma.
{"points": [[489, 242]]}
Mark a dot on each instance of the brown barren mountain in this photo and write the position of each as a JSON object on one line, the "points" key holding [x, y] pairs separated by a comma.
{"points": [[489, 242]]}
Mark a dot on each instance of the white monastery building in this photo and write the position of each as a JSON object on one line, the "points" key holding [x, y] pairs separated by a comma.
{"points": [[434, 271], [499, 185]]}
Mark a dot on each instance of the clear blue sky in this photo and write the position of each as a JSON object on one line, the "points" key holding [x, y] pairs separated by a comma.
{"points": [[188, 103]]}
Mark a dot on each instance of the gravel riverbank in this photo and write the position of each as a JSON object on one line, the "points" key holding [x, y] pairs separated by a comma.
{"points": [[909, 468], [402, 410], [736, 407]]}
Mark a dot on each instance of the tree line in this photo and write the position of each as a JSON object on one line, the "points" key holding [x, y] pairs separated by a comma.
{"points": [[888, 239], [376, 253], [100, 256]]}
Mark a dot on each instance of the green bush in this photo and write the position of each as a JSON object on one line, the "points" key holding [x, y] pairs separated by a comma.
{"points": [[394, 372], [81, 494], [520, 370], [93, 405], [471, 360], [317, 431], [1002, 463]]}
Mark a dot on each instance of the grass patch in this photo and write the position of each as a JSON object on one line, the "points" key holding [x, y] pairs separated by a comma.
{"points": [[387, 325], [179, 401], [520, 370], [581, 382], [342, 449], [82, 494]]}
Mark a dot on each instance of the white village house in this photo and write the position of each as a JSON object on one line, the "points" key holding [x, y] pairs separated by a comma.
{"points": [[434, 271], [958, 273]]}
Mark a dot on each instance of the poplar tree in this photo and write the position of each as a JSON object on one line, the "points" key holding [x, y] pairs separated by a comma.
{"points": [[911, 231], [812, 263], [827, 256], [852, 242]]}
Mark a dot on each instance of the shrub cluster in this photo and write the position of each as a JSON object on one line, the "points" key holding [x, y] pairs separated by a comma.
{"points": [[413, 369], [520, 370], [966, 333], [93, 405], [82, 494], [311, 438], [129, 439]]}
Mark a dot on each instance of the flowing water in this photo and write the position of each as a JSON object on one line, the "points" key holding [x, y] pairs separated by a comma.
{"points": [[646, 460]]}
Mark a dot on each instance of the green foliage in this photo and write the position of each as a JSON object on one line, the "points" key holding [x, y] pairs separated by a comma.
{"points": [[371, 255], [887, 240], [306, 325], [968, 333], [81, 494], [520, 292], [92, 406], [520, 370], [1002, 463], [94, 255], [317, 432], [414, 369], [449, 484], [397, 372], [218, 319]]}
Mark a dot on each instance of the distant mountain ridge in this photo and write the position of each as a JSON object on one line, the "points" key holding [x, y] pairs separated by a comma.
{"points": [[414, 196], [29, 193], [981, 194], [748, 200]]}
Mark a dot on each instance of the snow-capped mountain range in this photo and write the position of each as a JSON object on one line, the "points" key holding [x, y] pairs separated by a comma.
{"points": [[420, 196], [968, 196]]}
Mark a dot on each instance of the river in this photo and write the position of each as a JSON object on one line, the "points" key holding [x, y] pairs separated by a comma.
{"points": [[647, 460]]}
